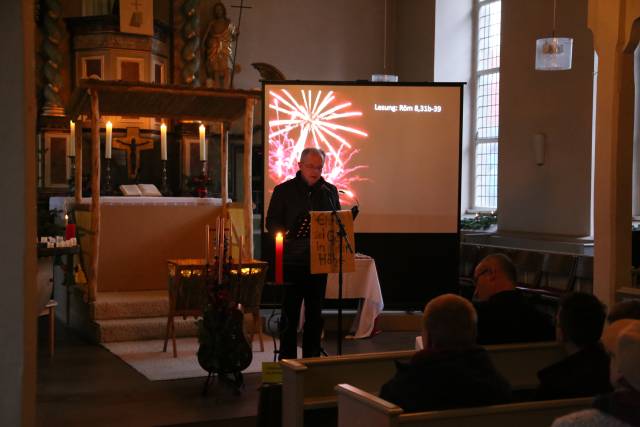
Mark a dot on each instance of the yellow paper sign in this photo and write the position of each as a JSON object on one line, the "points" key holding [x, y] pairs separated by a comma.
{"points": [[271, 373], [325, 243]]}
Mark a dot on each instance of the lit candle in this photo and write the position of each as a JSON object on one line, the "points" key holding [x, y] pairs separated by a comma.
{"points": [[71, 146], [279, 248], [206, 249], [107, 145], [163, 142], [203, 144]]}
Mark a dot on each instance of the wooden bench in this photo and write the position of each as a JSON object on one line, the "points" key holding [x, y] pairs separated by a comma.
{"points": [[310, 383], [357, 407]]}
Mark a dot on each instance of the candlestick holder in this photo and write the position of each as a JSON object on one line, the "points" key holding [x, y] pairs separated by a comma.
{"points": [[107, 190], [164, 187], [72, 177], [201, 190]]}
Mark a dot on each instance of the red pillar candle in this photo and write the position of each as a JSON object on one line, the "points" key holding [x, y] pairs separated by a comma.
{"points": [[70, 231], [279, 248]]}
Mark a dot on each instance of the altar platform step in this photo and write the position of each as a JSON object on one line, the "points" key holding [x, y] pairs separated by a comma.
{"points": [[148, 328], [129, 305]]}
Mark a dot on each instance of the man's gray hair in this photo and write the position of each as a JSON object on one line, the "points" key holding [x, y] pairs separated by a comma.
{"points": [[450, 322], [312, 150]]}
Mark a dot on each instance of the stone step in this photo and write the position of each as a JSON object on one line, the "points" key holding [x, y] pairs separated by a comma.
{"points": [[146, 328], [127, 305], [149, 328]]}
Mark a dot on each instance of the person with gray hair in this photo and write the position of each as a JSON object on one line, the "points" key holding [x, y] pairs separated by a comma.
{"points": [[451, 371], [288, 211]]}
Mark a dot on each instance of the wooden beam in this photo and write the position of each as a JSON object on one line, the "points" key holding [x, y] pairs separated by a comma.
{"points": [[78, 173], [95, 195], [248, 176], [224, 164]]}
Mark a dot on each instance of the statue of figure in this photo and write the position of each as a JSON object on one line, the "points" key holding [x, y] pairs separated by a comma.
{"points": [[218, 37]]}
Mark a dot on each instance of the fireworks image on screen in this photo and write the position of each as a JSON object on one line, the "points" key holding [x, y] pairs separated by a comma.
{"points": [[314, 119]]}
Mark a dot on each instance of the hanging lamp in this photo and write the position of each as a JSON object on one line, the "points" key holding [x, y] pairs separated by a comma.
{"points": [[554, 53]]}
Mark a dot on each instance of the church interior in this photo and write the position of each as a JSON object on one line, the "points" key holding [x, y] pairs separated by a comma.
{"points": [[138, 150]]}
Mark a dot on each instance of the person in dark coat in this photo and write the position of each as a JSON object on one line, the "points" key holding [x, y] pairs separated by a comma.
{"points": [[288, 210], [451, 371], [621, 407], [504, 315], [585, 371]]}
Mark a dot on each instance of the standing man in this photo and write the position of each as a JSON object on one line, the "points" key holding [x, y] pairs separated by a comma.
{"points": [[289, 208]]}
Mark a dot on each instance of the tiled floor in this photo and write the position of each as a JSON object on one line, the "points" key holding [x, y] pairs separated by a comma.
{"points": [[85, 385]]}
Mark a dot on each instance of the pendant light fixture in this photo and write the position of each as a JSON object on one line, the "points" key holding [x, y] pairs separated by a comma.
{"points": [[554, 53], [385, 77]]}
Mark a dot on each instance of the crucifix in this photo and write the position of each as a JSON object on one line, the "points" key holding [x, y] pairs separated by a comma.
{"points": [[133, 144], [235, 52]]}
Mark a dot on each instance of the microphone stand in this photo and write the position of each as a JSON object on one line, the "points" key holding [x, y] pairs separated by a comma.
{"points": [[342, 234]]}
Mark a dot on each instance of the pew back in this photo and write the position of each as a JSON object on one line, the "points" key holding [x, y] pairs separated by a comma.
{"points": [[309, 383], [359, 408], [520, 363]]}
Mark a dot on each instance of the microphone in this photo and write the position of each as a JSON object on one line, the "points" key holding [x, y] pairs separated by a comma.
{"points": [[355, 209], [329, 194]]}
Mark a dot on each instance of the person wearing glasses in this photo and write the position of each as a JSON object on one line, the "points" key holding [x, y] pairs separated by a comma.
{"points": [[288, 213], [504, 315]]}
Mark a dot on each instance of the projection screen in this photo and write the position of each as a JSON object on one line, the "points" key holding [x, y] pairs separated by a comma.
{"points": [[394, 149]]}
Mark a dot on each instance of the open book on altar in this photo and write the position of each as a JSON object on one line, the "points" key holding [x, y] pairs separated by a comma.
{"points": [[147, 190]]}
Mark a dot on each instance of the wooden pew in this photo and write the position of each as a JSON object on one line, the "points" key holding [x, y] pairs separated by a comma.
{"points": [[357, 407], [310, 383]]}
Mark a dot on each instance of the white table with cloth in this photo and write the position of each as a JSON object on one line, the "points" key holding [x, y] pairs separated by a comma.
{"points": [[363, 284]]}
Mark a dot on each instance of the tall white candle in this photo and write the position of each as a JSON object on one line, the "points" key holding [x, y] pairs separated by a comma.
{"points": [[207, 255], [107, 145], [71, 146], [203, 144], [163, 142]]}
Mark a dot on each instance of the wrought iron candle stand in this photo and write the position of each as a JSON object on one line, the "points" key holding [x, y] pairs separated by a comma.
{"points": [[201, 190], [72, 177], [164, 187], [108, 186]]}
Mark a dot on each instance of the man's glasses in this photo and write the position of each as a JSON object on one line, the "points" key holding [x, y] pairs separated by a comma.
{"points": [[310, 166]]}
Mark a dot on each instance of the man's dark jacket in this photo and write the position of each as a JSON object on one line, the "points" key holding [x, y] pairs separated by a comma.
{"points": [[507, 317], [584, 373], [290, 203], [435, 380]]}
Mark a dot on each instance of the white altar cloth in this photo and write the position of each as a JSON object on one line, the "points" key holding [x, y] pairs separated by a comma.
{"points": [[362, 283], [64, 203]]}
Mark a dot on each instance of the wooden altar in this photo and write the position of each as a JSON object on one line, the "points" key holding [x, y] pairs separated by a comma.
{"points": [[93, 98]]}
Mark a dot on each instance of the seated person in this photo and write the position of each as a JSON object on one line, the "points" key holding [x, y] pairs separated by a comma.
{"points": [[504, 315], [585, 371], [452, 371], [620, 408], [627, 309]]}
